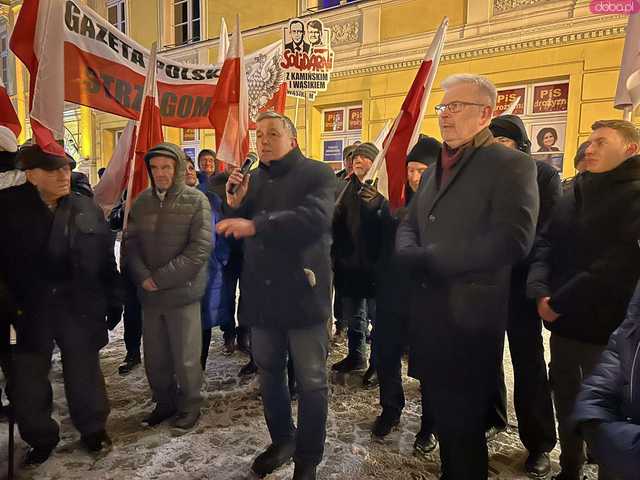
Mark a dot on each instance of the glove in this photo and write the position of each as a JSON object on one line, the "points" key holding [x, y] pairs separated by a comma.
{"points": [[114, 315], [371, 198]]}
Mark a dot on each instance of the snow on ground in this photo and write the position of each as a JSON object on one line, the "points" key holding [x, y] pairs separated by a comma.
{"points": [[232, 432]]}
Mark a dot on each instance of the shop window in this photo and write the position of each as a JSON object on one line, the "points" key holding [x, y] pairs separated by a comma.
{"points": [[4, 58], [341, 126], [186, 21], [191, 142], [543, 110], [322, 4], [117, 14]]}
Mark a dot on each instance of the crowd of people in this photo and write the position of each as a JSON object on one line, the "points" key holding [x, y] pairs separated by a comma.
{"points": [[490, 243]]}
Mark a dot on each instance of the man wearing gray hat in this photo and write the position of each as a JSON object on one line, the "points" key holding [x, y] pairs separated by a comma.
{"points": [[63, 286], [166, 249]]}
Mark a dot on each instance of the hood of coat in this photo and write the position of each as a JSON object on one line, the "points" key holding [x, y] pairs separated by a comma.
{"points": [[511, 126], [170, 150]]}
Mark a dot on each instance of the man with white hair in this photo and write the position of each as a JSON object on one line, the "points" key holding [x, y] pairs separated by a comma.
{"points": [[470, 221]]}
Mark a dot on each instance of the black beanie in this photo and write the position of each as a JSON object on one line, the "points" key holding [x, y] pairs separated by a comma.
{"points": [[425, 151], [511, 126], [7, 161]]}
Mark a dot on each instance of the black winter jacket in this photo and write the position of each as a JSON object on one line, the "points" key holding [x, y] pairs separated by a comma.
{"points": [[286, 273], [608, 408], [86, 285], [587, 258]]}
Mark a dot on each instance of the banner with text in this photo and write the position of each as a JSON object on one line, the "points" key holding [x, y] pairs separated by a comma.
{"points": [[104, 69]]}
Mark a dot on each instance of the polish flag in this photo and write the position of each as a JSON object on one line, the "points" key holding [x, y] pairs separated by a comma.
{"points": [[108, 191], [392, 161], [149, 134], [37, 41], [229, 114], [8, 115], [223, 46], [626, 91]]}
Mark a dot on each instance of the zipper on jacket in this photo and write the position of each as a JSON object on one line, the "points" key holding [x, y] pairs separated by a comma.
{"points": [[633, 369]]}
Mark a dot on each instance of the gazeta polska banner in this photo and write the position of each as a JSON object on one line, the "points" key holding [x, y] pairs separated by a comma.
{"points": [[307, 58], [105, 69]]}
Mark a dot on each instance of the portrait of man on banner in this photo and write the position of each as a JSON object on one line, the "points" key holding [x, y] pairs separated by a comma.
{"points": [[297, 42]]}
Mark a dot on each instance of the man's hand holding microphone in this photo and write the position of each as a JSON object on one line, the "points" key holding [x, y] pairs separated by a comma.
{"points": [[237, 188]]}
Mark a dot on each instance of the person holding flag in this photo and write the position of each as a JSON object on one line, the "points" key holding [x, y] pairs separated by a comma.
{"points": [[462, 264]]}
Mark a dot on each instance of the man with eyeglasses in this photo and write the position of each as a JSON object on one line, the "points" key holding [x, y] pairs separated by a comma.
{"points": [[470, 221]]}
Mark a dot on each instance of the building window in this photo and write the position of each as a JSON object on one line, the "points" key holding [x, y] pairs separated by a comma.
{"points": [[186, 21], [341, 126], [333, 3], [117, 14], [4, 58]]}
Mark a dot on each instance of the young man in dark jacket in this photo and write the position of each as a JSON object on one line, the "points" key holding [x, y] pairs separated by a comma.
{"points": [[469, 223], [57, 256], [586, 265], [284, 215], [531, 393], [608, 406], [393, 296]]}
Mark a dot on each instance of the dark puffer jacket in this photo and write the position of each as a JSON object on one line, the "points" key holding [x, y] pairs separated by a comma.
{"points": [[169, 240], [608, 408]]}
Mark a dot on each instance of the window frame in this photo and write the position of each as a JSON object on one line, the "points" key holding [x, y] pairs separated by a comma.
{"points": [[122, 14], [189, 22]]}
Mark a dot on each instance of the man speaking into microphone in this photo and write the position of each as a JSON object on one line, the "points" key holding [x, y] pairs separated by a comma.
{"points": [[283, 210]]}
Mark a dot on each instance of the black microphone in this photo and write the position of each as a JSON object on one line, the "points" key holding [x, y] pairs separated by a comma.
{"points": [[246, 166]]}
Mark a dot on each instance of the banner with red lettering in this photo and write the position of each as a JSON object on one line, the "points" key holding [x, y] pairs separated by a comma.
{"points": [[104, 69]]}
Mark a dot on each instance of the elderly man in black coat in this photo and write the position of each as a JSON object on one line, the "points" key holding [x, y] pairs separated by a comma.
{"points": [[284, 214], [57, 256], [470, 222], [532, 394], [586, 265]]}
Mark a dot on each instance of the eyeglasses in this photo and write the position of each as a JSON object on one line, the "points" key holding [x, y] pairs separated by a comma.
{"points": [[454, 107]]}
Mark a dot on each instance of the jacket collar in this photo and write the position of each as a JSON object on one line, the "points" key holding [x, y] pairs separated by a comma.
{"points": [[589, 186], [280, 167]]}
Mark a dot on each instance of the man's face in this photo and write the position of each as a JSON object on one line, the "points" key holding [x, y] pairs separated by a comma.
{"points": [[207, 164], [314, 35], [361, 166], [297, 32], [414, 173], [507, 142], [607, 150], [163, 170], [191, 179], [52, 184], [273, 140], [459, 128]]}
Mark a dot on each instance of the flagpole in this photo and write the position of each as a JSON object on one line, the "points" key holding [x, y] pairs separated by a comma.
{"points": [[132, 169], [628, 111], [295, 115], [307, 150]]}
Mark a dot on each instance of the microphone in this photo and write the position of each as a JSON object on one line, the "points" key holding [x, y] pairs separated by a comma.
{"points": [[246, 166]]}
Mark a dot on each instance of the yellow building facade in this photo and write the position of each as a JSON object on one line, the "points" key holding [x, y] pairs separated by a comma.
{"points": [[561, 58]]}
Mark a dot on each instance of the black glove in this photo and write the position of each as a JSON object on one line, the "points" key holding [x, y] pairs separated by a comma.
{"points": [[371, 198], [114, 315]]}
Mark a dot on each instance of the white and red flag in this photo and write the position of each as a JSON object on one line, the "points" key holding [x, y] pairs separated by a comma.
{"points": [[8, 115], [627, 94], [229, 114], [223, 45], [149, 133], [108, 191], [392, 166], [37, 41]]}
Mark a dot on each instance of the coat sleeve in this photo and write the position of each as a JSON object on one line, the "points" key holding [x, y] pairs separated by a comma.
{"points": [[186, 266], [539, 277], [131, 251], [306, 222], [407, 237], [614, 442], [550, 188], [509, 233]]}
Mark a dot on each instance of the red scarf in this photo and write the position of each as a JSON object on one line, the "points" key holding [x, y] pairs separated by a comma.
{"points": [[448, 159]]}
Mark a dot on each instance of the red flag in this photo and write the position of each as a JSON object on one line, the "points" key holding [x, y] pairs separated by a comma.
{"points": [[149, 134], [404, 134], [8, 115], [37, 41], [229, 114]]}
